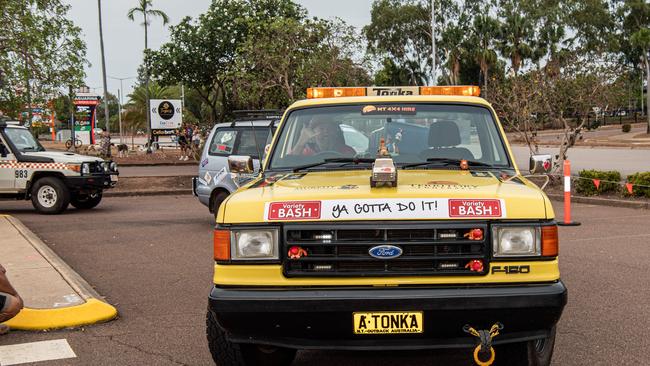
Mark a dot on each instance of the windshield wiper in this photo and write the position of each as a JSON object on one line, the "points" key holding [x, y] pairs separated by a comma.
{"points": [[446, 162], [334, 160]]}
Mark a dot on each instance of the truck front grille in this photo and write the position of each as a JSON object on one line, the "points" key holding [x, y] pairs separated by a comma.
{"points": [[427, 249]]}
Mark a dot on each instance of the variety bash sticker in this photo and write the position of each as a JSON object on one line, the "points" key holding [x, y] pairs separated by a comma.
{"points": [[295, 210], [378, 209], [475, 208]]}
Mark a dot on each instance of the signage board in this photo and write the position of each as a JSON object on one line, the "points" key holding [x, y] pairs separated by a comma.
{"points": [[166, 115]]}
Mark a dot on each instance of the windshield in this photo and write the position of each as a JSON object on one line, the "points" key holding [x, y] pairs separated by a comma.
{"points": [[413, 133], [23, 140]]}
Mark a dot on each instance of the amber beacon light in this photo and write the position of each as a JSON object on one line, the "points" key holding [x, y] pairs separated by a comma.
{"points": [[330, 92]]}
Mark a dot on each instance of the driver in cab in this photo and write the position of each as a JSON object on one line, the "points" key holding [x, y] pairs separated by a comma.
{"points": [[321, 135]]}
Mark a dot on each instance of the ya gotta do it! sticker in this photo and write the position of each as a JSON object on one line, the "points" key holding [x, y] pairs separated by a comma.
{"points": [[391, 208]]}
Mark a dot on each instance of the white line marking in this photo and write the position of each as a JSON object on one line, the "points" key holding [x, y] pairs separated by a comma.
{"points": [[16, 354]]}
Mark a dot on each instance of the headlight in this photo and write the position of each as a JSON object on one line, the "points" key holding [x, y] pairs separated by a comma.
{"points": [[259, 244], [105, 166], [516, 241], [85, 168], [113, 166]]}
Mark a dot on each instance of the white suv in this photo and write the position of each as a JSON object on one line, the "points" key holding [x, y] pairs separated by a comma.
{"points": [[51, 179]]}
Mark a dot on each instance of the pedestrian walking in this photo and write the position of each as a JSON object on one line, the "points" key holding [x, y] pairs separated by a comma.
{"points": [[181, 137], [105, 145], [10, 301]]}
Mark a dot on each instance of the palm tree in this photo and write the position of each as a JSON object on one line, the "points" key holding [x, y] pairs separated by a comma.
{"points": [[485, 31], [147, 12], [515, 33]]}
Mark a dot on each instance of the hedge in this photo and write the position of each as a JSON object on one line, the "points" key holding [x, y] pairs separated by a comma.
{"points": [[642, 179], [587, 187]]}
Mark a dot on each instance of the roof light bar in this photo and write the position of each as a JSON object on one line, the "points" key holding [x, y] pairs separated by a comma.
{"points": [[313, 93], [329, 92], [464, 90]]}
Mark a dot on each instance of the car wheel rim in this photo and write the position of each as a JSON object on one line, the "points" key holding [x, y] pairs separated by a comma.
{"points": [[47, 196]]}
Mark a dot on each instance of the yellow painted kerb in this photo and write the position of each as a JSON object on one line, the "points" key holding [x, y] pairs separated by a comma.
{"points": [[91, 312]]}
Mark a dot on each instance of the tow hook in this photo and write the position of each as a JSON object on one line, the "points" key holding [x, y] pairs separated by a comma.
{"points": [[484, 346]]}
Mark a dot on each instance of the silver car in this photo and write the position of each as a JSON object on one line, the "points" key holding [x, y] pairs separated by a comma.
{"points": [[242, 137]]}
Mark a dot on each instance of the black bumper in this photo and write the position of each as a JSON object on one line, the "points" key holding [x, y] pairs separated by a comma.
{"points": [[322, 318], [93, 182]]}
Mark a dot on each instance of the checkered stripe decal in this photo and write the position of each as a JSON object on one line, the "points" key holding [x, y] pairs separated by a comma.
{"points": [[13, 164]]}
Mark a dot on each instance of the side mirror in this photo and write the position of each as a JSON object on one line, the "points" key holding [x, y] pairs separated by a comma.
{"points": [[241, 164], [3, 151], [540, 164]]}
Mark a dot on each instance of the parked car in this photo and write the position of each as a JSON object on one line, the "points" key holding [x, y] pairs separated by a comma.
{"points": [[245, 136], [50, 179]]}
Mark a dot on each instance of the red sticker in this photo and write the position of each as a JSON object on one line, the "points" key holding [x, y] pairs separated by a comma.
{"points": [[295, 210], [474, 208]]}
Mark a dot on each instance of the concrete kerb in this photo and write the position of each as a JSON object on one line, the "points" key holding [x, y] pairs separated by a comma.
{"points": [[166, 192], [93, 311]]}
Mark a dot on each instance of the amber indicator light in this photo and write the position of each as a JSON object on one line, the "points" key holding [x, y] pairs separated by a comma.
{"points": [[550, 242], [221, 245]]}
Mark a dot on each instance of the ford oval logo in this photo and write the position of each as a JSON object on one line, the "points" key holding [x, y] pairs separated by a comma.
{"points": [[385, 252]]}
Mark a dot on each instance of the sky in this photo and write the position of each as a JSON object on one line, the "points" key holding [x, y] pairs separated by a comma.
{"points": [[124, 39]]}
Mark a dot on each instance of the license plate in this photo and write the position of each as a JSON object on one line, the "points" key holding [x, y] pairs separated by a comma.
{"points": [[114, 178], [388, 322]]}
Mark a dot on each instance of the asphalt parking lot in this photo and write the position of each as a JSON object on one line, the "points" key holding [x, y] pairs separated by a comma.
{"points": [[151, 257]]}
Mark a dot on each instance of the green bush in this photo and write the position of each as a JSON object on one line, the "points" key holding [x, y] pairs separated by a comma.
{"points": [[586, 187], [626, 128], [642, 179]]}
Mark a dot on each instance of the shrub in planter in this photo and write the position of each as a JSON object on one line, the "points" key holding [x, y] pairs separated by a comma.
{"points": [[642, 179], [586, 187], [626, 128]]}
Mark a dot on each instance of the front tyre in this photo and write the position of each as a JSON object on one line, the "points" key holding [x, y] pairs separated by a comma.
{"points": [[50, 196], [86, 201], [226, 353], [533, 353], [217, 201]]}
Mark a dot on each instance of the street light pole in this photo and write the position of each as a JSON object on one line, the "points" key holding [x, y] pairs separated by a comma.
{"points": [[119, 112], [101, 45], [433, 42], [120, 101]]}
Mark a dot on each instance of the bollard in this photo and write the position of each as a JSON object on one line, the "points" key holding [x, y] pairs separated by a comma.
{"points": [[567, 196]]}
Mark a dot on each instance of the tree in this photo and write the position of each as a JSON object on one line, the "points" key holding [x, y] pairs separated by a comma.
{"points": [[515, 34], [518, 101], [634, 36], [401, 31], [453, 38], [282, 57], [113, 107], [203, 53], [144, 8], [40, 51], [483, 36], [641, 40], [392, 74], [564, 99], [135, 117]]}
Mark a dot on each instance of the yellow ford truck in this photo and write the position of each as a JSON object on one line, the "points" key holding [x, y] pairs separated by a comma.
{"points": [[390, 218]]}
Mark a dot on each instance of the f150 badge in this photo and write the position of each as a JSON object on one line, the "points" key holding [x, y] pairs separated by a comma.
{"points": [[510, 269]]}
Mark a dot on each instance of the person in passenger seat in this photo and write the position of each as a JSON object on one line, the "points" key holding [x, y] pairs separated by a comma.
{"points": [[444, 138]]}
